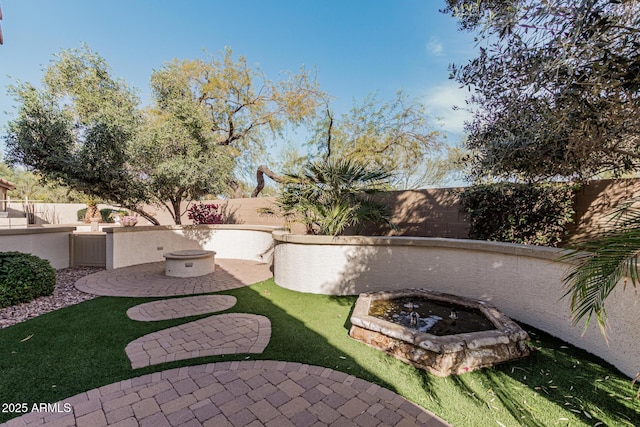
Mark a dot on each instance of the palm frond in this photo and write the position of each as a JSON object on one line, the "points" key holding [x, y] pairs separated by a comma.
{"points": [[332, 195], [600, 264]]}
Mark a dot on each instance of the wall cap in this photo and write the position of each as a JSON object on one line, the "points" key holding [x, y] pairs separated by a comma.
{"points": [[265, 228], [35, 230], [516, 249]]}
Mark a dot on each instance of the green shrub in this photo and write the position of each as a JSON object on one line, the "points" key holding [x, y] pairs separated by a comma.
{"points": [[24, 277], [104, 213], [535, 214]]}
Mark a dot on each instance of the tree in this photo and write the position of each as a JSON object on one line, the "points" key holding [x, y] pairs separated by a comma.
{"points": [[175, 150], [558, 91], [176, 165], [240, 105], [395, 136], [85, 129], [556, 86], [331, 196], [76, 130]]}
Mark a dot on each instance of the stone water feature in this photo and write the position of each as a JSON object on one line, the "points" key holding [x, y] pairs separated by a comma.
{"points": [[441, 333]]}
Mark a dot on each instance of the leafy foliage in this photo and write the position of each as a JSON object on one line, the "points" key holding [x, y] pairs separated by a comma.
{"points": [[334, 196], [519, 213], [31, 186], [557, 86], [391, 135], [602, 262], [77, 128], [209, 120], [24, 277], [237, 104], [204, 213], [178, 161]]}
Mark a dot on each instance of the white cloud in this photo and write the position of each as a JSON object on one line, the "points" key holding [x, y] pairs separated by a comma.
{"points": [[434, 46], [440, 101]]}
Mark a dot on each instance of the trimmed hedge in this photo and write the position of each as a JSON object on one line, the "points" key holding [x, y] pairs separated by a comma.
{"points": [[535, 214], [24, 277]]}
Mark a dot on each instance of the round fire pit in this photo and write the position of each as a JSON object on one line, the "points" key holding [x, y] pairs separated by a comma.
{"points": [[189, 263], [412, 326]]}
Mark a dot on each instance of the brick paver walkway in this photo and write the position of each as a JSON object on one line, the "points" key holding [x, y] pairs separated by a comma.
{"points": [[175, 308], [247, 393], [214, 335], [149, 280]]}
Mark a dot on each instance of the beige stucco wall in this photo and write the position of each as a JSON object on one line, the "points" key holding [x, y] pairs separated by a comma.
{"points": [[47, 243], [525, 282], [137, 245]]}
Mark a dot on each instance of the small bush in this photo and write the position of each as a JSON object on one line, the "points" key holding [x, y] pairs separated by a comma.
{"points": [[535, 214], [104, 213], [201, 213], [24, 277]]}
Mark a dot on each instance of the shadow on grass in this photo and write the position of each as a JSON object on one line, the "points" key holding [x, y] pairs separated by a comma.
{"points": [[590, 389]]}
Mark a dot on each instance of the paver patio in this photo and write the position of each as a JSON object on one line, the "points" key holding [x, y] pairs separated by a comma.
{"points": [[247, 393], [149, 280]]}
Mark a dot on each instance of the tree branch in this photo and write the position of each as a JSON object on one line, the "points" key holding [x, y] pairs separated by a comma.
{"points": [[264, 170]]}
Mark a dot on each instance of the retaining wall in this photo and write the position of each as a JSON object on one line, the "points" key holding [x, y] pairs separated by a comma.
{"points": [[525, 282], [137, 245], [51, 243]]}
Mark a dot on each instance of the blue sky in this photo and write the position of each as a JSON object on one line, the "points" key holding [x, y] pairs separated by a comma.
{"points": [[356, 46]]}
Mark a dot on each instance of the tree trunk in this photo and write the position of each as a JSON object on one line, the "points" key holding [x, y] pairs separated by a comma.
{"points": [[177, 218], [262, 171], [237, 190], [145, 215]]}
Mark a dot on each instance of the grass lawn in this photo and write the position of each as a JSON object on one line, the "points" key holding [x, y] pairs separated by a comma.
{"points": [[81, 347]]}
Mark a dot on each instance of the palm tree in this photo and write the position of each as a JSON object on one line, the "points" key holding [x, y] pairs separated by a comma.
{"points": [[602, 262], [330, 196]]}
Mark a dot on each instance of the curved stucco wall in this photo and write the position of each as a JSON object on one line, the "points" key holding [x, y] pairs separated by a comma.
{"points": [[50, 243], [525, 282], [137, 245]]}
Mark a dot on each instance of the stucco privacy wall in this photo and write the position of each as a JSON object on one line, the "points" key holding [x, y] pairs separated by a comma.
{"points": [[426, 213], [137, 245], [47, 243], [525, 282], [436, 212]]}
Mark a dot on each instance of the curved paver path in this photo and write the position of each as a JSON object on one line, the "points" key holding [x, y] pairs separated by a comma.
{"points": [[214, 335], [256, 393], [176, 308], [149, 280]]}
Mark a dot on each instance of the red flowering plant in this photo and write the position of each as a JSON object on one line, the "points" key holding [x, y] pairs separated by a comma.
{"points": [[202, 213]]}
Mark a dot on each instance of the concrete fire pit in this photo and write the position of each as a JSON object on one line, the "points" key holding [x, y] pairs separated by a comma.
{"points": [[189, 263]]}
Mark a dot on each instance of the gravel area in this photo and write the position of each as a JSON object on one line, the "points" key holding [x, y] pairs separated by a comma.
{"points": [[65, 294]]}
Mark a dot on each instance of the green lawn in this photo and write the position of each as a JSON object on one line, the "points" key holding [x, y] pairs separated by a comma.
{"points": [[82, 347]]}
